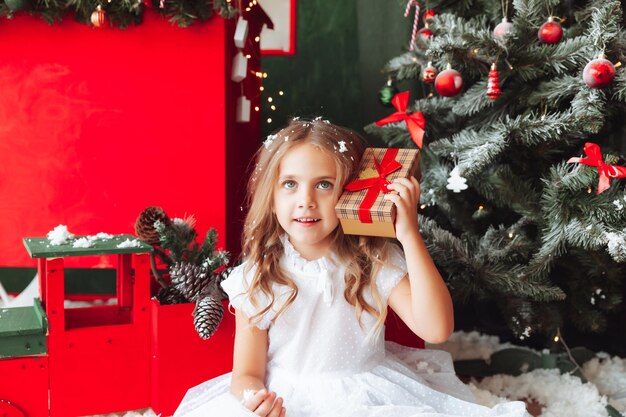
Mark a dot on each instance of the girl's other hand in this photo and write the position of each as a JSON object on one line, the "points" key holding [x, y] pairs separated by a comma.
{"points": [[406, 201], [265, 404]]}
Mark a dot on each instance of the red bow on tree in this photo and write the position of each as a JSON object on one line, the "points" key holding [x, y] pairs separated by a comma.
{"points": [[606, 171], [414, 122]]}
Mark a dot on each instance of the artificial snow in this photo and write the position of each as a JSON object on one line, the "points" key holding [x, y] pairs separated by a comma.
{"points": [[129, 244], [616, 246], [608, 374], [560, 394], [59, 235], [84, 242], [268, 142], [471, 345]]}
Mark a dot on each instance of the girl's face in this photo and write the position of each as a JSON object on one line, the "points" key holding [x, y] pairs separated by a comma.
{"points": [[305, 198]]}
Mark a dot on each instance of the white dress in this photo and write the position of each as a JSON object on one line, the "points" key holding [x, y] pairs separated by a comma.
{"points": [[320, 363]]}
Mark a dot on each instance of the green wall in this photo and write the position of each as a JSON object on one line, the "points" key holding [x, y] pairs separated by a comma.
{"points": [[341, 48]]}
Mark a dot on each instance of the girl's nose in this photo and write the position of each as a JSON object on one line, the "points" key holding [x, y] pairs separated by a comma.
{"points": [[306, 201]]}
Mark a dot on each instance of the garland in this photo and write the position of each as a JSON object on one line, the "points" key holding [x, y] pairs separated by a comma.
{"points": [[120, 13]]}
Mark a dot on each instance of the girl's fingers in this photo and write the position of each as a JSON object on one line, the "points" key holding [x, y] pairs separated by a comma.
{"points": [[394, 198], [256, 400], [405, 188], [266, 406], [277, 409]]}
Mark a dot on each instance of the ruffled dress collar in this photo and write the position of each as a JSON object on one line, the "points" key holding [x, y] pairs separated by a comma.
{"points": [[319, 270]]}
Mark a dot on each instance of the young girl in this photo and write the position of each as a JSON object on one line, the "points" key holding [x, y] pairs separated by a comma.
{"points": [[310, 302]]}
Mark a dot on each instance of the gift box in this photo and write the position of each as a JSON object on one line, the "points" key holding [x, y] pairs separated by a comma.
{"points": [[361, 209]]}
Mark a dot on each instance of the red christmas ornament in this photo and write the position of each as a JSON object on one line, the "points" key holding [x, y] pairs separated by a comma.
{"points": [[599, 73], [425, 33], [449, 82], [428, 14], [550, 32], [429, 74], [493, 83], [99, 17], [502, 29]]}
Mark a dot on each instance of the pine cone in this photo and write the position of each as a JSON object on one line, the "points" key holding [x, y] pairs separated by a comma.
{"points": [[191, 280], [170, 295], [207, 316], [221, 276], [144, 225], [184, 230]]}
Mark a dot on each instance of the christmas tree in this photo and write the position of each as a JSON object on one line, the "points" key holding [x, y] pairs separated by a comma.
{"points": [[522, 207]]}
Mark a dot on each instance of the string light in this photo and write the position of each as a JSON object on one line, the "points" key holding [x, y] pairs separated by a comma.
{"points": [[481, 207], [423, 206], [261, 88], [269, 99], [273, 107], [280, 93], [257, 38], [589, 190], [269, 120], [556, 338], [256, 108], [248, 56], [511, 235]]}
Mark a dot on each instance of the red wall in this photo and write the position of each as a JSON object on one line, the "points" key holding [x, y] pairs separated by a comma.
{"points": [[95, 125]]}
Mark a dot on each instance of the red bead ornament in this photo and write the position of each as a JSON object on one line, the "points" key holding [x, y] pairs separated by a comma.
{"points": [[502, 29], [428, 14], [493, 83], [99, 17], [425, 33], [599, 73], [550, 32], [429, 74], [449, 82]]}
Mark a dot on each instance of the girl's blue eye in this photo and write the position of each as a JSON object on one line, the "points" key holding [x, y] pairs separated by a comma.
{"points": [[289, 184], [325, 185]]}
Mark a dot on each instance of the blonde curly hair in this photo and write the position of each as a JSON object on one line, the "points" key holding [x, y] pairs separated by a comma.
{"points": [[262, 246]]}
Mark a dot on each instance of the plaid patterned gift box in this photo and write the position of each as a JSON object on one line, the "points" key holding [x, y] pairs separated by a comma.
{"points": [[361, 208]]}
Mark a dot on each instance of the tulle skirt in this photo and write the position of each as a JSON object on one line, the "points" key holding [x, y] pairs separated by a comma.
{"points": [[407, 383]]}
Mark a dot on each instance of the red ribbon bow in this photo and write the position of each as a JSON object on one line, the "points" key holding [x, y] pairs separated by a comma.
{"points": [[375, 185], [606, 171], [415, 122]]}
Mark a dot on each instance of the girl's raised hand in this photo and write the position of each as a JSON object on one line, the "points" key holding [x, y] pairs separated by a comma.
{"points": [[265, 404], [406, 201]]}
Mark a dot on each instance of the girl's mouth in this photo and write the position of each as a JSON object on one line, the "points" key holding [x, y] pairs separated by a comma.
{"points": [[307, 220]]}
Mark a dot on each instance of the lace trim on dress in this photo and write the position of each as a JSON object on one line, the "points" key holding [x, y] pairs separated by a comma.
{"points": [[318, 269]]}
